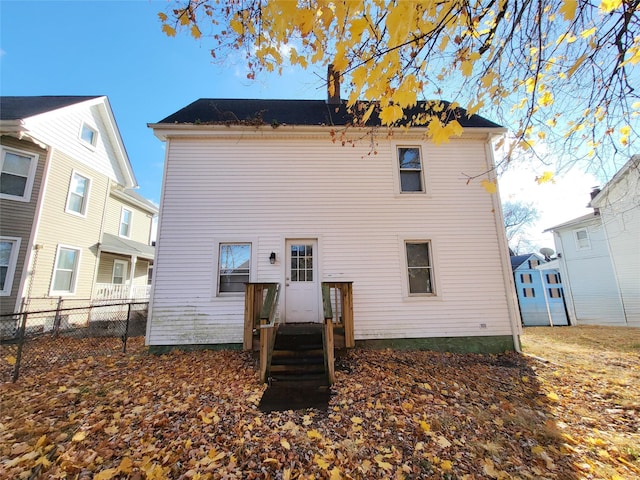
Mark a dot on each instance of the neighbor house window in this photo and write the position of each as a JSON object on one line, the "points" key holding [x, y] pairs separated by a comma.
{"points": [[526, 278], [552, 278], [65, 274], [78, 194], [410, 164], [529, 292], [419, 268], [119, 272], [555, 293], [125, 223], [17, 170], [9, 247], [582, 239], [234, 267], [89, 135], [533, 263]]}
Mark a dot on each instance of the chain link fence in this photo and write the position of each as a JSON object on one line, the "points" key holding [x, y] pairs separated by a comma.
{"points": [[63, 331]]}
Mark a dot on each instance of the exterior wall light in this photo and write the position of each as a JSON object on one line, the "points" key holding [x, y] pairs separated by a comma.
{"points": [[272, 258]]}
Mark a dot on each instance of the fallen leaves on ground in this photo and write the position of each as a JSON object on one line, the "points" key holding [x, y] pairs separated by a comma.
{"points": [[401, 415]]}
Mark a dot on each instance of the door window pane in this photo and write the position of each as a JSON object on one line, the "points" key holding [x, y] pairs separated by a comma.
{"points": [[301, 263]]}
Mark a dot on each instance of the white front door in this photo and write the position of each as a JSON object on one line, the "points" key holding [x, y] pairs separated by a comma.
{"points": [[302, 294]]}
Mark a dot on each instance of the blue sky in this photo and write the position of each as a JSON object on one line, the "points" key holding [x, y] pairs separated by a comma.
{"points": [[116, 48]]}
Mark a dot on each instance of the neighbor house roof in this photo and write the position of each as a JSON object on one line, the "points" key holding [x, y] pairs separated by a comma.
{"points": [[114, 244], [575, 221], [517, 260], [223, 111], [632, 163], [17, 108]]}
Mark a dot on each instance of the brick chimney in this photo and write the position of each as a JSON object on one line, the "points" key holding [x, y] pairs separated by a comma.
{"points": [[333, 86]]}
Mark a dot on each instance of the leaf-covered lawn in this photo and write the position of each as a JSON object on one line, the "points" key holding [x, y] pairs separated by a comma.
{"points": [[392, 415]]}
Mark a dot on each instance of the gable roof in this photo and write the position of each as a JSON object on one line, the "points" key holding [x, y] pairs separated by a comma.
{"points": [[19, 107], [574, 222], [224, 111], [518, 260]]}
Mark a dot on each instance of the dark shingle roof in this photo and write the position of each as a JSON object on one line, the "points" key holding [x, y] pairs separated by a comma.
{"points": [[291, 112], [517, 260], [16, 108]]}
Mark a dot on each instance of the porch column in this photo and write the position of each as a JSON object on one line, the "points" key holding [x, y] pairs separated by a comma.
{"points": [[132, 274]]}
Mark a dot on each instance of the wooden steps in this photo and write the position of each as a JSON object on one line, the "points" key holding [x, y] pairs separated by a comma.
{"points": [[298, 355]]}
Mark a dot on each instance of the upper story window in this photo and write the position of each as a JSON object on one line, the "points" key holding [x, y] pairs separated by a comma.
{"points": [[125, 223], [78, 194], [553, 278], [410, 164], [88, 134], [534, 262], [9, 247], [419, 268], [17, 173], [526, 278], [234, 267], [582, 239], [65, 274]]}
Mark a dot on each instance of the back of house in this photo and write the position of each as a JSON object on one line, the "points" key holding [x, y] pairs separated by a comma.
{"points": [[288, 191]]}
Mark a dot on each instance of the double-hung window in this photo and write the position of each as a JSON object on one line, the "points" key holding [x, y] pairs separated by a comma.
{"points": [[78, 194], [410, 165], [234, 267], [582, 239], [119, 276], [17, 170], [65, 275], [125, 223], [419, 268], [9, 247]]}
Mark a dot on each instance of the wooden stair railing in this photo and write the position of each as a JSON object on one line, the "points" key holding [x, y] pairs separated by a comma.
{"points": [[337, 302], [260, 306]]}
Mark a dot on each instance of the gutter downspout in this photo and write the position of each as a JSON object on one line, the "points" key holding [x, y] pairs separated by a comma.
{"points": [[507, 274], [566, 278]]}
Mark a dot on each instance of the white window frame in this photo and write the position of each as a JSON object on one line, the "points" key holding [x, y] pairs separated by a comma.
{"points": [[252, 264], [405, 268], [94, 140], [26, 195], [85, 203], [398, 171], [75, 274], [125, 272], [11, 267], [578, 242], [130, 224]]}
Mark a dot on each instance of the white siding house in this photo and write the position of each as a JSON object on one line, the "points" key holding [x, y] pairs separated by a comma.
{"points": [[599, 254], [247, 179]]}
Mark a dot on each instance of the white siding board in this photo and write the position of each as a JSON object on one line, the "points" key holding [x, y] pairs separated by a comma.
{"points": [[349, 200]]}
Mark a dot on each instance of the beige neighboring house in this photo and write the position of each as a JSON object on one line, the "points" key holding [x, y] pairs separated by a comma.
{"points": [[71, 224]]}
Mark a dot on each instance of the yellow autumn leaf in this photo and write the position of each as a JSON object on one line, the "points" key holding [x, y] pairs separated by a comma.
{"points": [[111, 430], [446, 465], [11, 360], [321, 462], [489, 185], [626, 130], [381, 463], [537, 450], [425, 426], [546, 99], [107, 474], [467, 68], [62, 389], [588, 33], [286, 474], [356, 420], [79, 436], [546, 177], [126, 465], [568, 9], [314, 434], [335, 474], [195, 32], [285, 444], [443, 442], [162, 17], [169, 30], [552, 395], [608, 6], [390, 114]]}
